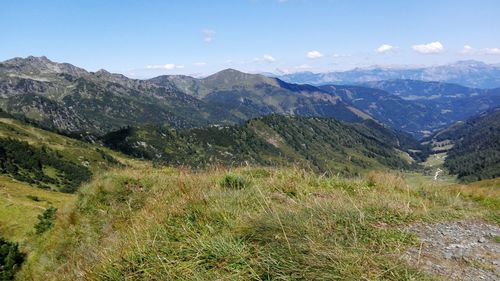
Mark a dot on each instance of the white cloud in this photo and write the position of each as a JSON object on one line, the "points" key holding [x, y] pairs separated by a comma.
{"points": [[200, 63], [168, 66], [341, 55], [303, 66], [384, 48], [208, 35], [314, 54], [491, 51], [468, 50], [154, 66], [264, 58], [294, 69], [269, 58], [431, 48]]}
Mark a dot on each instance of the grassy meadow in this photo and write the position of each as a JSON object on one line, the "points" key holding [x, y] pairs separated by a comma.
{"points": [[145, 223]]}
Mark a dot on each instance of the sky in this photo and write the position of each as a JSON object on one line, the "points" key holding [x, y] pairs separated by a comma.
{"points": [[145, 38]]}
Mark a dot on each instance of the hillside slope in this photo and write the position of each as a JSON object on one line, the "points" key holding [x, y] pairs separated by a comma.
{"points": [[410, 116], [475, 151], [252, 224], [452, 102], [322, 144], [46, 159], [35, 166]]}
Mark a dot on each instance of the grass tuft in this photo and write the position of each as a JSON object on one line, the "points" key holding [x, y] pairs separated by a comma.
{"points": [[233, 181]]}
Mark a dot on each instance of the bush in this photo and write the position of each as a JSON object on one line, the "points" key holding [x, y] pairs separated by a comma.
{"points": [[46, 220], [232, 181], [10, 259]]}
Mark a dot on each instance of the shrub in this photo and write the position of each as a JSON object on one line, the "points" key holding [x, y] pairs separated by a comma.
{"points": [[34, 198], [233, 181], [46, 220], [10, 259]]}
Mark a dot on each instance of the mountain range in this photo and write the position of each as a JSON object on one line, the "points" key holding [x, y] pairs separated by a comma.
{"points": [[66, 98], [470, 73], [251, 95], [223, 170], [69, 99], [63, 97]]}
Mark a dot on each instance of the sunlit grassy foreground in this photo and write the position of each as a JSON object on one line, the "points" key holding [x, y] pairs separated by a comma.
{"points": [[244, 224]]}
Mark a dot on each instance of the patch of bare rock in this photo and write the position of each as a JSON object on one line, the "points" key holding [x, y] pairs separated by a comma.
{"points": [[459, 250]]}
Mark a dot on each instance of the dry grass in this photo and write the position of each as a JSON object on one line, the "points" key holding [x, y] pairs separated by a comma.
{"points": [[486, 193], [286, 224]]}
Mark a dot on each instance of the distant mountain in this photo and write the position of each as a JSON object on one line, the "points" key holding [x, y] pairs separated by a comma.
{"points": [[253, 95], [406, 115], [469, 73], [424, 90], [322, 144], [66, 98], [475, 151], [71, 100], [450, 102]]}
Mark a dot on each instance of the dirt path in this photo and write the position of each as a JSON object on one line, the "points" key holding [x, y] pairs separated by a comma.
{"points": [[461, 250]]}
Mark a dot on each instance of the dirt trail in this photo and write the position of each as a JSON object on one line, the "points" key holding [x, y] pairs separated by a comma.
{"points": [[461, 250]]}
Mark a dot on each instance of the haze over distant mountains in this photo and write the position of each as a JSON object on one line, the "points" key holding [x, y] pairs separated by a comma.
{"points": [[468, 73]]}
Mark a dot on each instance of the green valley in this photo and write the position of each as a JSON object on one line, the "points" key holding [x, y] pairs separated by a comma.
{"points": [[252, 140]]}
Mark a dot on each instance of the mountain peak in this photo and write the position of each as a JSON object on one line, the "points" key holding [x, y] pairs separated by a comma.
{"points": [[41, 65], [102, 72], [29, 60], [236, 76], [474, 63], [39, 59], [228, 71]]}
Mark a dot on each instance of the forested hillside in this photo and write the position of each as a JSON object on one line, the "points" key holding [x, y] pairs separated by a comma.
{"points": [[48, 160], [475, 154], [322, 144]]}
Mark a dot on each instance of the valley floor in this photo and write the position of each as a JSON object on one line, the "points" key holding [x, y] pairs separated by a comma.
{"points": [[145, 223]]}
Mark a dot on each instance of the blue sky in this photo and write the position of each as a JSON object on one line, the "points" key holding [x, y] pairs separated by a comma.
{"points": [[146, 38]]}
